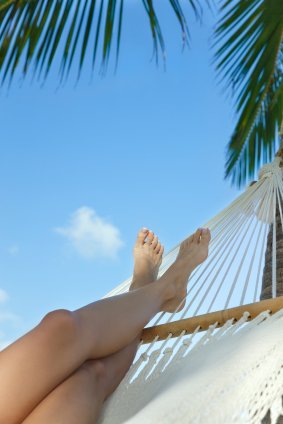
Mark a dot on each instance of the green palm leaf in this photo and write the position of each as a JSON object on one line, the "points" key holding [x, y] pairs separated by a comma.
{"points": [[250, 59], [33, 32]]}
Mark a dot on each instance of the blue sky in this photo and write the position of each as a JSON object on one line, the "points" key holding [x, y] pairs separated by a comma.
{"points": [[82, 168]]}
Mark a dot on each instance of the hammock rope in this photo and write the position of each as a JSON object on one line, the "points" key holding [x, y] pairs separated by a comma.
{"points": [[180, 353]]}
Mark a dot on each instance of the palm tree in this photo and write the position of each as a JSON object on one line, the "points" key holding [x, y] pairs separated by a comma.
{"points": [[266, 290], [248, 56], [34, 31]]}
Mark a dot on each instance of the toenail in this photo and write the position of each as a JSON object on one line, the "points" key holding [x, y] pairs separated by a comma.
{"points": [[145, 230]]}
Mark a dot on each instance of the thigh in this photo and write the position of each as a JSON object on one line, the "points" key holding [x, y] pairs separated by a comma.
{"points": [[34, 365], [80, 397], [76, 400]]}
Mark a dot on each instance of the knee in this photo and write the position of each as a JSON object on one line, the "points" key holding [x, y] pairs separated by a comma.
{"points": [[60, 322], [96, 368]]}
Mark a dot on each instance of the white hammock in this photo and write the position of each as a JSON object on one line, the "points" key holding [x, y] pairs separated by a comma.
{"points": [[231, 374]]}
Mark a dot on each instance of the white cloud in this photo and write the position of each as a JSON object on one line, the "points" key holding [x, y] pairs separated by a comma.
{"points": [[13, 250], [90, 235], [3, 296]]}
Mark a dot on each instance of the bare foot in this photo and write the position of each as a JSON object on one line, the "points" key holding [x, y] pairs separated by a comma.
{"points": [[147, 256], [193, 251]]}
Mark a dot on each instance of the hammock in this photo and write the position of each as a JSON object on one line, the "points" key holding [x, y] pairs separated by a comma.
{"points": [[219, 360]]}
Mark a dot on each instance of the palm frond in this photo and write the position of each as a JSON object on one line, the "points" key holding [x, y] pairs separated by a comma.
{"points": [[33, 32], [249, 58]]}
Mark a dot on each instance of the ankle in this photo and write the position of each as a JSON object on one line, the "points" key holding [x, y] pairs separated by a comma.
{"points": [[140, 281], [167, 290], [184, 264]]}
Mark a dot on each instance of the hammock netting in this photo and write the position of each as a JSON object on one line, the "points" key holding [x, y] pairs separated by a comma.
{"points": [[228, 374]]}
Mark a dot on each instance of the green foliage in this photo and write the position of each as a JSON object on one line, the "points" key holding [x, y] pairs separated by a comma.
{"points": [[249, 56], [250, 59], [34, 31]]}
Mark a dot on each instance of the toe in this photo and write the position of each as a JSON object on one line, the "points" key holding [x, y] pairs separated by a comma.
{"points": [[154, 242], [158, 246], [205, 236], [150, 237], [142, 234], [196, 235], [188, 240], [161, 250]]}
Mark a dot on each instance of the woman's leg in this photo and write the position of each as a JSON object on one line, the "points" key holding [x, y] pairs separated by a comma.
{"points": [[80, 397], [38, 362], [77, 400]]}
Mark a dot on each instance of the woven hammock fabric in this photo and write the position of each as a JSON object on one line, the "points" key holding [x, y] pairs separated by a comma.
{"points": [[235, 377], [227, 375]]}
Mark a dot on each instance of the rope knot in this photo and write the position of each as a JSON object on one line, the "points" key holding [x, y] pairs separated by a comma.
{"points": [[270, 169], [144, 356], [168, 350]]}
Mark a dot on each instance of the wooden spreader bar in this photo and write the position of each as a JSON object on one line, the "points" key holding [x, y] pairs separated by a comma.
{"points": [[204, 321]]}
